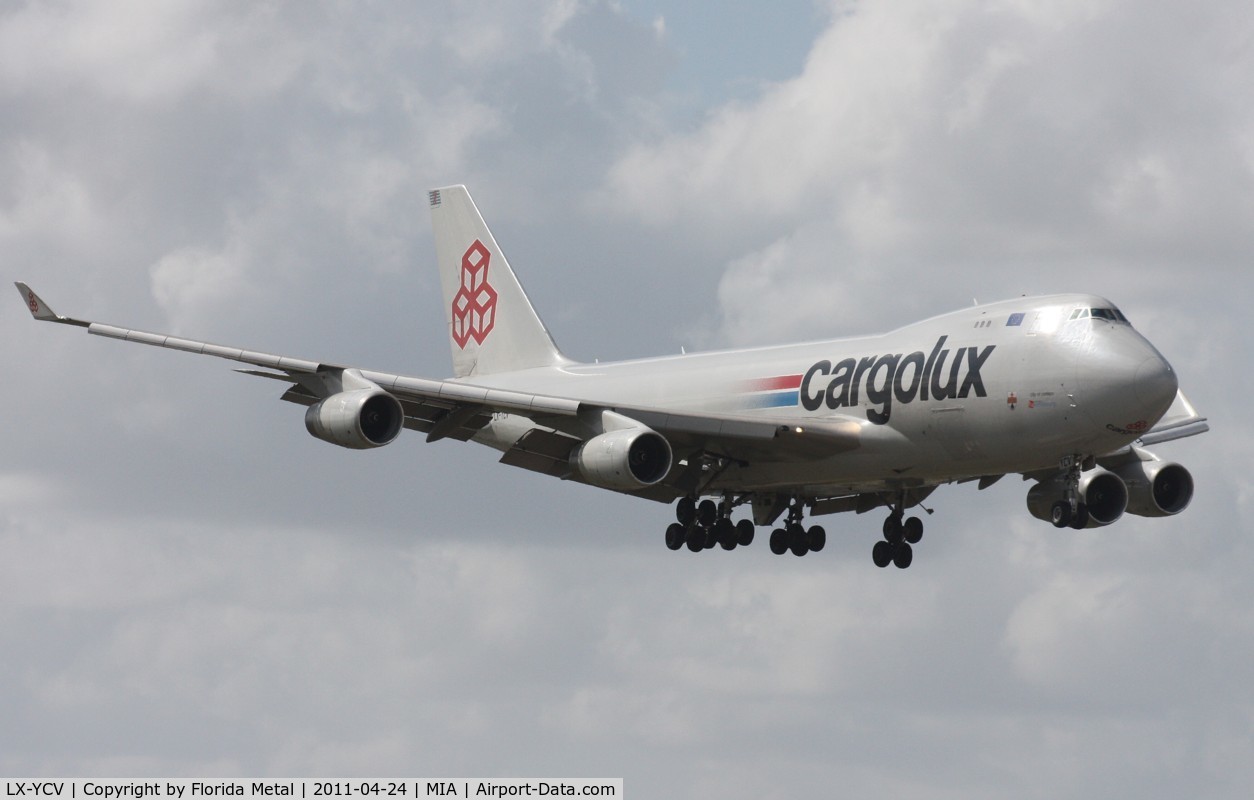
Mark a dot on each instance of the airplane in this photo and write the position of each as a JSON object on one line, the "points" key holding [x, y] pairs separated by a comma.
{"points": [[1060, 389]]}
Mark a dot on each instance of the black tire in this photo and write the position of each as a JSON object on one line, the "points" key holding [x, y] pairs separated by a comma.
{"points": [[696, 538], [1080, 520], [744, 533], [903, 555], [779, 541], [707, 512], [816, 538], [797, 540], [912, 530], [1060, 514], [725, 531], [676, 535], [882, 554], [686, 511], [893, 529]]}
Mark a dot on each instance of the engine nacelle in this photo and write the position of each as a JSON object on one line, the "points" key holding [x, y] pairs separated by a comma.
{"points": [[1157, 488], [631, 458], [359, 419], [1104, 493]]}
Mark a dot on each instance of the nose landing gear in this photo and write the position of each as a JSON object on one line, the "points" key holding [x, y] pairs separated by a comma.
{"points": [[1071, 510]]}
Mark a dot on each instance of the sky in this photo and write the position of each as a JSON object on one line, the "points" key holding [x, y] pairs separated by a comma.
{"points": [[191, 586]]}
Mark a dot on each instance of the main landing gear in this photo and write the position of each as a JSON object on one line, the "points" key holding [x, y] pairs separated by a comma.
{"points": [[899, 535], [793, 536], [702, 526]]}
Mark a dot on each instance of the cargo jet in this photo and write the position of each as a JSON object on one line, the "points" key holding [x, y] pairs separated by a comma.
{"points": [[1060, 389]]}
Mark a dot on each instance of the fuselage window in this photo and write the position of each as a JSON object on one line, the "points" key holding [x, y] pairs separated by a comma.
{"points": [[1108, 314]]}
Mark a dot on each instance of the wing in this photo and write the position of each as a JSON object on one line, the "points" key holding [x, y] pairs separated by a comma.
{"points": [[458, 410], [1181, 420]]}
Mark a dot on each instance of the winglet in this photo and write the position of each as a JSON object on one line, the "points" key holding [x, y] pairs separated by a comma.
{"points": [[41, 310]]}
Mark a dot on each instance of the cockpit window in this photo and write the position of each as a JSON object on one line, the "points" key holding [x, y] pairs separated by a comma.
{"points": [[1108, 314]]}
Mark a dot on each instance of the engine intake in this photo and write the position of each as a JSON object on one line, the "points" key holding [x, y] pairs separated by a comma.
{"points": [[631, 458], [1104, 493], [359, 419], [1157, 488]]}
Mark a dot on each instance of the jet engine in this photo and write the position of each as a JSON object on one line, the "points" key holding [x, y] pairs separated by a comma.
{"points": [[359, 419], [1156, 488], [1104, 493], [625, 459]]}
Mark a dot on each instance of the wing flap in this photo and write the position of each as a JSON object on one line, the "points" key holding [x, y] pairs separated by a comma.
{"points": [[541, 450]]}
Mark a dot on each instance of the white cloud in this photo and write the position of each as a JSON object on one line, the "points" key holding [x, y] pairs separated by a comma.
{"points": [[141, 52], [189, 281], [923, 138]]}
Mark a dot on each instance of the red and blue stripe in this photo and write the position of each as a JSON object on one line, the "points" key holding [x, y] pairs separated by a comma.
{"points": [[776, 392]]}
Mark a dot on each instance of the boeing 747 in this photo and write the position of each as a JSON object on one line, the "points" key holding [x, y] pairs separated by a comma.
{"points": [[1060, 389]]}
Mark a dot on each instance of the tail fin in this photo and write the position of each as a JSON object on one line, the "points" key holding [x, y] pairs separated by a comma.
{"points": [[492, 326]]}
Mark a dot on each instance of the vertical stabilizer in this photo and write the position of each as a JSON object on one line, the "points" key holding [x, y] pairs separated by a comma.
{"points": [[492, 326]]}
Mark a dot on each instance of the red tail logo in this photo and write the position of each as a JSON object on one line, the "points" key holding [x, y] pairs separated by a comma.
{"points": [[474, 306]]}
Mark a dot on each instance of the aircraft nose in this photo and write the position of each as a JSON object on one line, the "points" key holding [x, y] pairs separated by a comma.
{"points": [[1126, 381], [1156, 382]]}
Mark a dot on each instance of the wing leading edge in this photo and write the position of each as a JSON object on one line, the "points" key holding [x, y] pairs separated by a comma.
{"points": [[458, 410]]}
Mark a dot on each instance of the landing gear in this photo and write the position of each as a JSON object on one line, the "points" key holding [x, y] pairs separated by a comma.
{"points": [[1060, 514], [899, 535], [1071, 510], [705, 525], [795, 537], [744, 533], [676, 535]]}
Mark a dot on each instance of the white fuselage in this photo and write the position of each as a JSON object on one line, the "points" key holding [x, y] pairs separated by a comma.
{"points": [[1013, 386]]}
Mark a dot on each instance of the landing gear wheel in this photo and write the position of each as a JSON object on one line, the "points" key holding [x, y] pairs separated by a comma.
{"points": [[686, 511], [744, 533], [816, 538], [912, 530], [882, 554], [711, 538], [725, 532], [676, 535], [779, 541], [902, 556], [1060, 514], [696, 538], [893, 529], [797, 540], [1080, 520], [707, 512]]}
